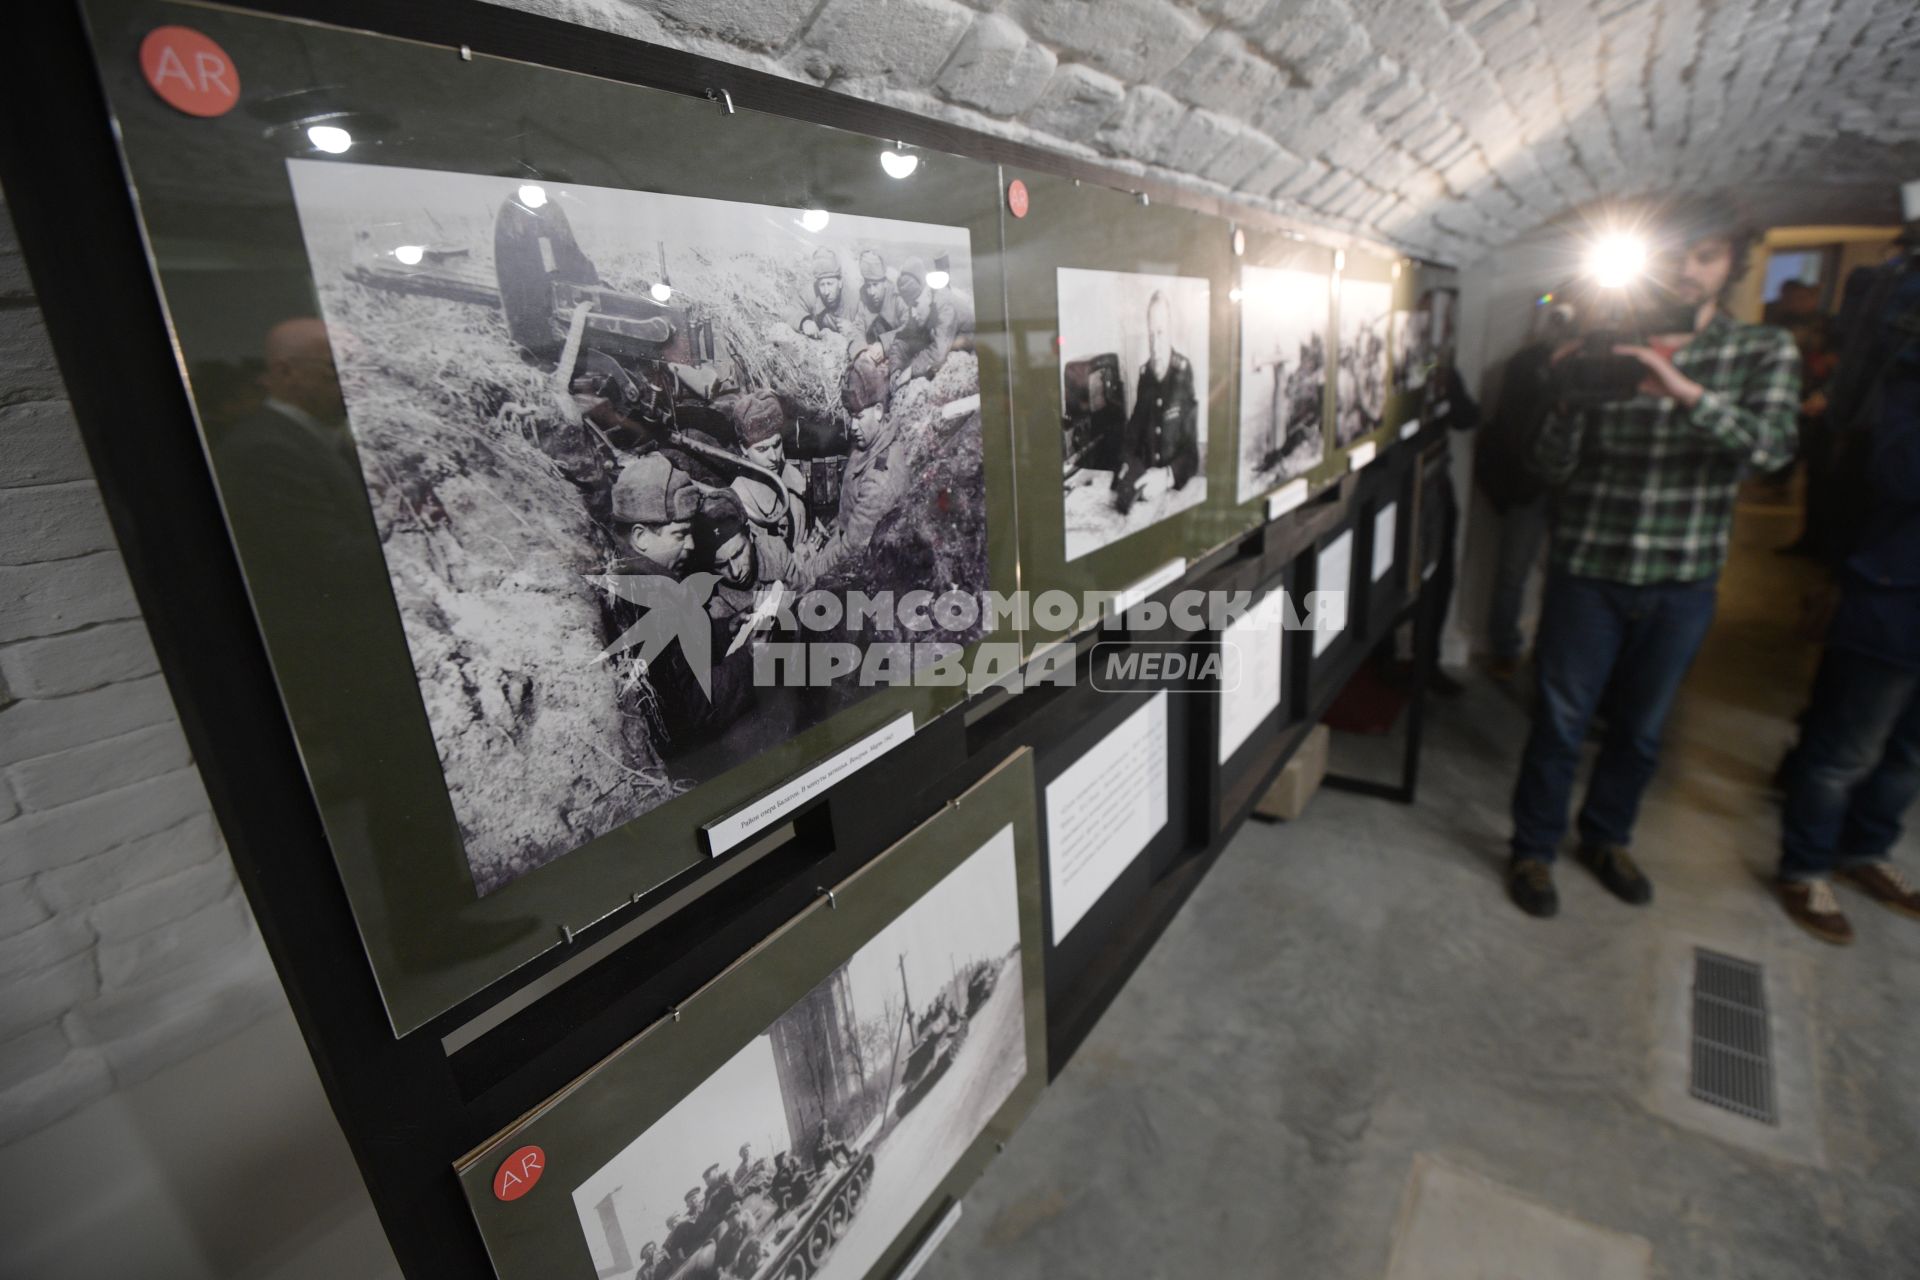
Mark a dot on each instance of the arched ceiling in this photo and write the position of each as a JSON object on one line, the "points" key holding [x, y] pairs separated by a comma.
{"points": [[1447, 127]]}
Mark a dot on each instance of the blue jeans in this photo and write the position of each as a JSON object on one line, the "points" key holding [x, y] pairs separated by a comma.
{"points": [[1632, 644], [1522, 531], [1856, 769]]}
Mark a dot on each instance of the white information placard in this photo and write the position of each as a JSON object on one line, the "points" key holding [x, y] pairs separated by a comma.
{"points": [[1333, 583], [770, 808], [1361, 454], [1103, 809], [1286, 498], [1254, 645], [1385, 522]]}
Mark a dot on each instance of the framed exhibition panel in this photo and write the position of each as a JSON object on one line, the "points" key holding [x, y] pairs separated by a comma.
{"points": [[1432, 479], [1285, 328], [818, 1105], [1254, 699], [1364, 404], [1121, 350], [558, 413], [1336, 563], [1387, 511]]}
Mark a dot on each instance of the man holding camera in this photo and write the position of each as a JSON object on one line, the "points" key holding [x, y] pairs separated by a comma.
{"points": [[1646, 485]]}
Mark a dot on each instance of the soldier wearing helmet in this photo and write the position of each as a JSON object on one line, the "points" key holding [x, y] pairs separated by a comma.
{"points": [[828, 307], [939, 319], [881, 310]]}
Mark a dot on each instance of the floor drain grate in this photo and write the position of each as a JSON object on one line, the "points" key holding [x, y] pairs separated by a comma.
{"points": [[1732, 1042]]}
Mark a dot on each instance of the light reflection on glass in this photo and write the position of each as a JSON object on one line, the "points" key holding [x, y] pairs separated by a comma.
{"points": [[330, 138]]}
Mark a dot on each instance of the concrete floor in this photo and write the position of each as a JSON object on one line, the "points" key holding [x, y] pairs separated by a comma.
{"points": [[1351, 1057]]}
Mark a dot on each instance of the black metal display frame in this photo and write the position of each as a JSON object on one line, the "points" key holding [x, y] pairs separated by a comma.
{"points": [[410, 1106]]}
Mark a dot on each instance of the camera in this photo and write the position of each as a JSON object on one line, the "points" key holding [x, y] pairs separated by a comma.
{"points": [[1595, 374]]}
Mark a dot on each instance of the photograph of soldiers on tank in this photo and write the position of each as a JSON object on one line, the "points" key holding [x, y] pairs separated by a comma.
{"points": [[607, 435], [813, 1147], [1133, 389], [1283, 376], [1360, 400]]}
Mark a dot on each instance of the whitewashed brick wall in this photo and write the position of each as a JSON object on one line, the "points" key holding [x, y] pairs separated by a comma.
{"points": [[125, 943], [1446, 127]]}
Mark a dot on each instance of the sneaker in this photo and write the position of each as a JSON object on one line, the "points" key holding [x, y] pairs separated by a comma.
{"points": [[1884, 883], [1811, 905], [1615, 868], [1530, 885]]}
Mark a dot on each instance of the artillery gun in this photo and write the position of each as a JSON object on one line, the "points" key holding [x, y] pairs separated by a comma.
{"points": [[638, 369]]}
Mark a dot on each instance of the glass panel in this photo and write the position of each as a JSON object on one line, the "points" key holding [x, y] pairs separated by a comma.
{"points": [[1122, 352], [820, 1101], [611, 364]]}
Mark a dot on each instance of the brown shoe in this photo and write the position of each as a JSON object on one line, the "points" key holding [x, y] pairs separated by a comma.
{"points": [[1811, 905], [1503, 669], [1884, 883]]}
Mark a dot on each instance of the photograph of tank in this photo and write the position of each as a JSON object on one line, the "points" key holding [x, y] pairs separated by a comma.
{"points": [[1283, 376], [813, 1147], [606, 434], [1133, 391], [1360, 400]]}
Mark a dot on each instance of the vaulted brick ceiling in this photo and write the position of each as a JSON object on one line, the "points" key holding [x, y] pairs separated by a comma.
{"points": [[1445, 126]]}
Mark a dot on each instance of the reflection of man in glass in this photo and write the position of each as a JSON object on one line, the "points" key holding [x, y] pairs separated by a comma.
{"points": [[1163, 430]]}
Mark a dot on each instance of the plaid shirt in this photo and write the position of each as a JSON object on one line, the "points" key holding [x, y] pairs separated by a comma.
{"points": [[1647, 486]]}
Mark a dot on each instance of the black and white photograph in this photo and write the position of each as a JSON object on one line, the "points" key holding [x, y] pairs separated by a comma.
{"points": [[1360, 403], [606, 434], [814, 1146], [1412, 346], [1133, 387], [1283, 376]]}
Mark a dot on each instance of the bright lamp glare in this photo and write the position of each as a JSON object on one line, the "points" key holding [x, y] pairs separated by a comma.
{"points": [[661, 291], [1617, 261], [533, 195], [330, 138], [1234, 294], [937, 279], [899, 165], [410, 254], [814, 219]]}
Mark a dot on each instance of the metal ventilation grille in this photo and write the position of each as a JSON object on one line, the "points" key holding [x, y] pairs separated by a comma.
{"points": [[1732, 1041]]}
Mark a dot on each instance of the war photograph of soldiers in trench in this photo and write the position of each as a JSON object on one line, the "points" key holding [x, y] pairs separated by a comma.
{"points": [[1133, 388], [573, 406], [1283, 376], [1360, 402], [813, 1147], [1412, 346]]}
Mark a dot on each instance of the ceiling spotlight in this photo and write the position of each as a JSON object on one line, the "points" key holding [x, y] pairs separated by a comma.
{"points": [[814, 219], [898, 164], [938, 279], [533, 195], [1616, 260], [410, 254], [661, 291], [330, 138]]}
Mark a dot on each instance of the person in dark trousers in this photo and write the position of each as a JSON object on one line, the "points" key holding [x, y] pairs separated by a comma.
{"points": [[1641, 523], [1503, 469], [1856, 769]]}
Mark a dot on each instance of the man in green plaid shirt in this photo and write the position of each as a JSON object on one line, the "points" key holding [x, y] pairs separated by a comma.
{"points": [[1642, 513]]}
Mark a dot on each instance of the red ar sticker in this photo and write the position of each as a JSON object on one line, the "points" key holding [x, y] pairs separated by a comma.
{"points": [[518, 1172], [1017, 198], [190, 72]]}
